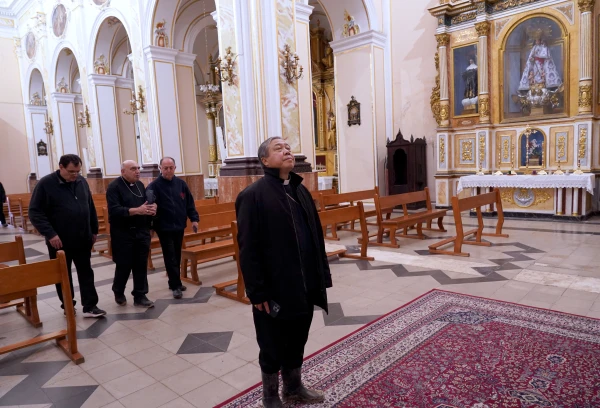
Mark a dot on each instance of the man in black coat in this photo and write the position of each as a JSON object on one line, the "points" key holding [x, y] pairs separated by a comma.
{"points": [[63, 211], [130, 217], [2, 200], [285, 269], [175, 205]]}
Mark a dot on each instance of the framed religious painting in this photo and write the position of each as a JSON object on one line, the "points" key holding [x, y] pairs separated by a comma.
{"points": [[534, 64], [465, 83], [532, 146]]}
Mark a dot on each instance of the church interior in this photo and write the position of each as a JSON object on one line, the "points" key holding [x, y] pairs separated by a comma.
{"points": [[450, 147]]}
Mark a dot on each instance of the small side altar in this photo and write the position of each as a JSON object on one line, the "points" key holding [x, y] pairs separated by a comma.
{"points": [[543, 195]]}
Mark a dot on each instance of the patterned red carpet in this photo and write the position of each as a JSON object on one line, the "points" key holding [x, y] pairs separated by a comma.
{"points": [[447, 350]]}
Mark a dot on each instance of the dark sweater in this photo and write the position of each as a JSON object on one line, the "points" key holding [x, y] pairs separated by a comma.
{"points": [[65, 209], [120, 197], [175, 204]]}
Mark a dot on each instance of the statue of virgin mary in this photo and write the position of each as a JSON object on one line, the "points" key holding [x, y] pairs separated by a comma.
{"points": [[540, 70]]}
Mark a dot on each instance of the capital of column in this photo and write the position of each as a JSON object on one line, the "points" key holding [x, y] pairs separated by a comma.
{"points": [[63, 97], [185, 58], [36, 108], [586, 6], [370, 37], [98, 79], [154, 52], [442, 40], [483, 28]]}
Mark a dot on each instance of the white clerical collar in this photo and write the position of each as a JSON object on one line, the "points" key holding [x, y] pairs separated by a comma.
{"points": [[286, 182]]}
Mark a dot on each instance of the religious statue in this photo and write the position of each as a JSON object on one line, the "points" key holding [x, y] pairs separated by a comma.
{"points": [[328, 59], [469, 101], [161, 39], [62, 86], [540, 82], [100, 65], [331, 133], [351, 27], [35, 99]]}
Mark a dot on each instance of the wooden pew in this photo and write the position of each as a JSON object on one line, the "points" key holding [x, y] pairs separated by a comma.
{"points": [[210, 226], [343, 215], [206, 201], [333, 201], [385, 206], [316, 196], [26, 302], [18, 280], [99, 204], [108, 249], [18, 207], [466, 204], [239, 293]]}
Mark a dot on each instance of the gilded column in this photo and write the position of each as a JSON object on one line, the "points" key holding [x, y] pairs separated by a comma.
{"points": [[483, 30], [212, 141], [443, 40], [585, 56]]}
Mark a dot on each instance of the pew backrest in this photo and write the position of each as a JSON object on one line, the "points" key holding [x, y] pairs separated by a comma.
{"points": [[206, 201], [13, 251]]}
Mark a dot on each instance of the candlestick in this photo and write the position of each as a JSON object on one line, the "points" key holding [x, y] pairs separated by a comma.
{"points": [[559, 172], [578, 171], [542, 172], [499, 172]]}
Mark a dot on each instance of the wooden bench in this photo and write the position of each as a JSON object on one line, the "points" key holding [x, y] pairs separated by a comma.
{"points": [[18, 207], [386, 205], [108, 249], [239, 293], [15, 281], [343, 215], [26, 302], [466, 204], [210, 226], [332, 201], [189, 236], [99, 204], [206, 201], [316, 196]]}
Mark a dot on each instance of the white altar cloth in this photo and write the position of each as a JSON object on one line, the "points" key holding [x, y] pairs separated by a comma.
{"points": [[529, 181], [325, 183], [211, 183]]}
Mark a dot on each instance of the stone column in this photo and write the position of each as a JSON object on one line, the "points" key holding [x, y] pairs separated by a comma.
{"points": [[575, 212], [585, 56], [559, 202], [106, 123], [483, 30], [443, 40], [213, 158]]}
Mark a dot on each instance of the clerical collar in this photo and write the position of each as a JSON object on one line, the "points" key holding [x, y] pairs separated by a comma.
{"points": [[286, 182]]}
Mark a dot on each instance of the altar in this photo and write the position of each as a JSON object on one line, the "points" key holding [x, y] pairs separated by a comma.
{"points": [[536, 195]]}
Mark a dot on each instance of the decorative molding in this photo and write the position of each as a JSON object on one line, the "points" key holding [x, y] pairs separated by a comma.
{"points": [[303, 12], [154, 52], [359, 40], [568, 10], [585, 96], [442, 152], [185, 58], [466, 151], [484, 107], [561, 146], [586, 6], [483, 28], [434, 100], [99, 79], [500, 24], [472, 15], [442, 40], [582, 144]]}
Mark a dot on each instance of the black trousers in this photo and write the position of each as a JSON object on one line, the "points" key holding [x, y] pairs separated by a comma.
{"points": [[85, 275], [130, 248], [281, 342], [170, 242], [2, 217]]}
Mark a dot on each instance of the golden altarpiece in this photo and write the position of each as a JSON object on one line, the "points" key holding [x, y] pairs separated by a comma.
{"points": [[514, 95], [323, 88]]}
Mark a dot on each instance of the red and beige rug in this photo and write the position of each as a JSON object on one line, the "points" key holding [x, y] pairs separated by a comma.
{"points": [[447, 350]]}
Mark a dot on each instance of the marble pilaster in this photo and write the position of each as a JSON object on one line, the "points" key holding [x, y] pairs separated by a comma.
{"points": [[483, 30], [443, 40], [586, 64]]}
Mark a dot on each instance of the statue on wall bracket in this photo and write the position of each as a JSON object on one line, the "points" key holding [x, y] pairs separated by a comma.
{"points": [[42, 148], [353, 112]]}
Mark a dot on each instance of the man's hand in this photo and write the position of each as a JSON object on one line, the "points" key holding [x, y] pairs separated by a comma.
{"points": [[263, 306], [195, 226], [56, 242], [153, 208], [94, 237], [144, 209]]}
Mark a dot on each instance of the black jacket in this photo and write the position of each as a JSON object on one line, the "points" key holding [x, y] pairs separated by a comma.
{"points": [[174, 202], [2, 194], [269, 251], [120, 197], [66, 209]]}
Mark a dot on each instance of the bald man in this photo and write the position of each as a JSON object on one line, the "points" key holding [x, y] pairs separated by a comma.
{"points": [[130, 215]]}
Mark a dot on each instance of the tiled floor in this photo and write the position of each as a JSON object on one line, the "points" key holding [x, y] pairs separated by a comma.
{"points": [[201, 350]]}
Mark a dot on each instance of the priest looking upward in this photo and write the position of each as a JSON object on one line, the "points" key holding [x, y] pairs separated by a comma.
{"points": [[175, 205], [285, 269], [130, 216]]}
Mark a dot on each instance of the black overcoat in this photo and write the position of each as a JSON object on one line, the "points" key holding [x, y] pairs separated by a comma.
{"points": [[269, 255]]}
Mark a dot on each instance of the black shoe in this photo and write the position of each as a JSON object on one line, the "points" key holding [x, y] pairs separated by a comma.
{"points": [[182, 288], [143, 302], [295, 391], [177, 294], [271, 391], [94, 312], [121, 300], [4, 225], [74, 311]]}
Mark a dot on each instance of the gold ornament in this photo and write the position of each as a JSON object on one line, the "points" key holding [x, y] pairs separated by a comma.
{"points": [[585, 96], [541, 196], [442, 40], [442, 150], [586, 5], [464, 17], [561, 147], [483, 28], [505, 149], [582, 142], [506, 195], [484, 107], [467, 151], [434, 100], [444, 112]]}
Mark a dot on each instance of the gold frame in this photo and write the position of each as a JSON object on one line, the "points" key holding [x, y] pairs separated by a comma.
{"points": [[518, 149], [451, 83], [566, 39]]}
